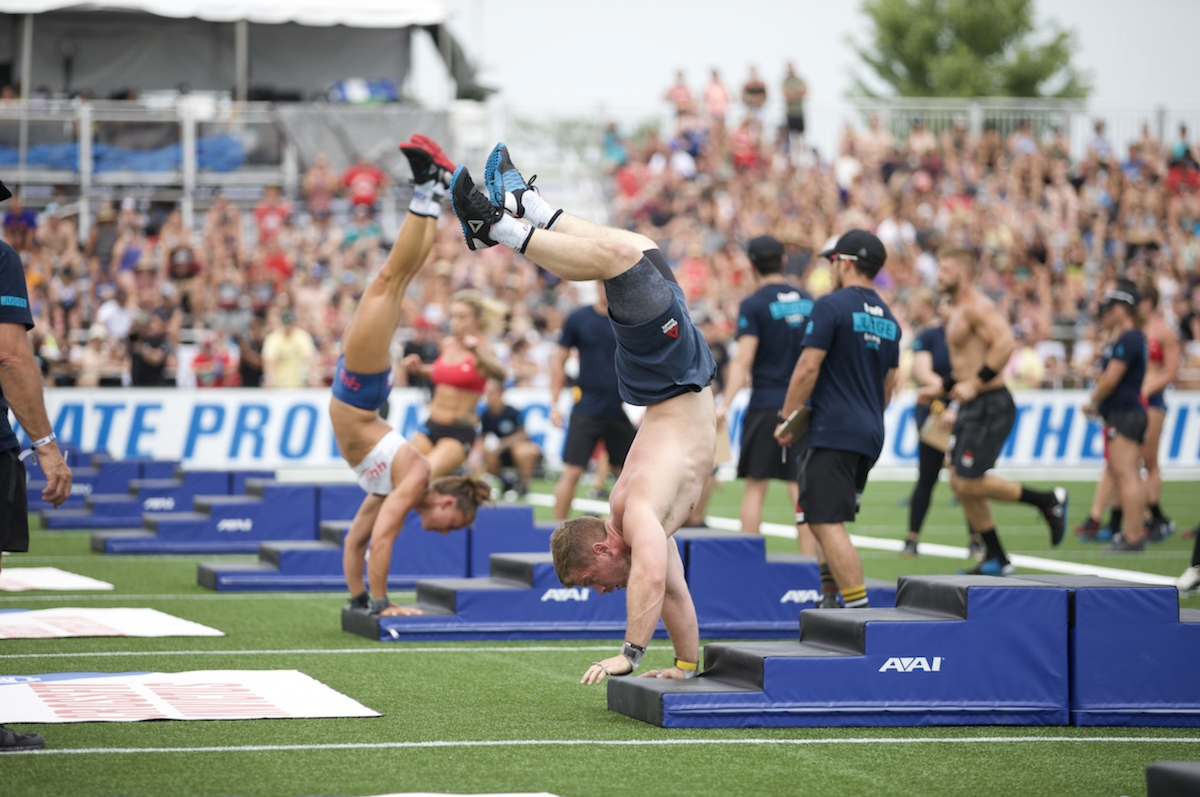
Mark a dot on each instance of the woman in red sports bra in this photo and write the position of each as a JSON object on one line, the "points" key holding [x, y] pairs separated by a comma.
{"points": [[459, 376], [1162, 367]]}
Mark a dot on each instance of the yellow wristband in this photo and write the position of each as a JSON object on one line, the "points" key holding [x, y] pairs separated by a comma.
{"points": [[687, 666]]}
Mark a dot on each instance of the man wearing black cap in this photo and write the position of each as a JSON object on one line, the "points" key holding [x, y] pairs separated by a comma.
{"points": [[980, 341], [21, 388], [770, 335], [847, 373]]}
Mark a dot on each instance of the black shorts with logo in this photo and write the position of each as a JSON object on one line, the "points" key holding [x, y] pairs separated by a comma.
{"points": [[438, 431], [831, 483], [1130, 424], [761, 457], [980, 432], [14, 504], [586, 430]]}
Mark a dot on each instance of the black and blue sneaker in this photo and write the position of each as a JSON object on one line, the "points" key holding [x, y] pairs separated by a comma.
{"points": [[475, 213], [1056, 515], [990, 567], [506, 187]]}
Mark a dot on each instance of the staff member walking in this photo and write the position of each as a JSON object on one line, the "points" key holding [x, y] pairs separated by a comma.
{"points": [[21, 389], [770, 336], [848, 373]]}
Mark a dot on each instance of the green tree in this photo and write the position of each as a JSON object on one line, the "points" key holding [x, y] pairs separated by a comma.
{"points": [[968, 48]]}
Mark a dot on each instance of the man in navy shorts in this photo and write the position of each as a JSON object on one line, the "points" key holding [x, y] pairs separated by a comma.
{"points": [[663, 364], [598, 413], [848, 373], [21, 388]]}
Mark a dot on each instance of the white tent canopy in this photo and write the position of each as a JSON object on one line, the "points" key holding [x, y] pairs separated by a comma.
{"points": [[296, 46], [316, 13]]}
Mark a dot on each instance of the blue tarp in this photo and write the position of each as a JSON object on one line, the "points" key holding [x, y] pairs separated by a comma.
{"points": [[213, 154]]}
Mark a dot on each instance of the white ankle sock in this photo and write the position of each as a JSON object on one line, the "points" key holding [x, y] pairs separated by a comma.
{"points": [[513, 233], [425, 200], [539, 211]]}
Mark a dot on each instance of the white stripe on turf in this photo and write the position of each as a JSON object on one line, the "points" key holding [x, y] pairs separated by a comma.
{"points": [[276, 748], [885, 544], [472, 649]]}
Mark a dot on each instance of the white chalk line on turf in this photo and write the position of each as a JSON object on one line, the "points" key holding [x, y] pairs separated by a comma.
{"points": [[311, 651], [278, 748], [884, 544]]}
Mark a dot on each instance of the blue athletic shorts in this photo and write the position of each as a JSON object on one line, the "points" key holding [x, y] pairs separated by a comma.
{"points": [[663, 357], [365, 391], [1157, 401]]}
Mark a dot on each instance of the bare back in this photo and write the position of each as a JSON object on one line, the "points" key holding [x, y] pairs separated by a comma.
{"points": [[972, 329], [671, 457]]}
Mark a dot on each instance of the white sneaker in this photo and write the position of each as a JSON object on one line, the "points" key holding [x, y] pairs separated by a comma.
{"points": [[1190, 580]]}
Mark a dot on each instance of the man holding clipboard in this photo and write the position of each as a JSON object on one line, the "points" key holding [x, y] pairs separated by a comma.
{"points": [[847, 373]]}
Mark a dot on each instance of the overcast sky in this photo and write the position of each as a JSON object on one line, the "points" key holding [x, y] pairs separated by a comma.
{"points": [[619, 56]]}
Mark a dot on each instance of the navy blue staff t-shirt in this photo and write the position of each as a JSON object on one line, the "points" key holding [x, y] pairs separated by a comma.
{"points": [[14, 309], [1129, 348], [502, 425], [592, 336], [932, 340], [775, 314], [861, 340]]}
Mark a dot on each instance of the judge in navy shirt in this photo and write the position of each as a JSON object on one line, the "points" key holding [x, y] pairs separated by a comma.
{"points": [[770, 336], [1117, 398], [848, 373], [21, 389], [599, 413]]}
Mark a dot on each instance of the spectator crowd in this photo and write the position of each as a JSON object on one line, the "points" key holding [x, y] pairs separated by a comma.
{"points": [[259, 295]]}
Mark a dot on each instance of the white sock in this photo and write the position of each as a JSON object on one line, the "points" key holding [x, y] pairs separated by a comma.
{"points": [[512, 232], [539, 211], [425, 200]]}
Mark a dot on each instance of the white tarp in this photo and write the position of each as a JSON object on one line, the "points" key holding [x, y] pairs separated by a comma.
{"points": [[317, 13], [198, 695], [23, 579], [70, 622]]}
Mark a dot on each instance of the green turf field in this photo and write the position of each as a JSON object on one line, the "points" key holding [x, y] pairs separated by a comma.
{"points": [[484, 717]]}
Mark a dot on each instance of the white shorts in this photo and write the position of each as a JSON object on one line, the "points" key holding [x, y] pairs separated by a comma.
{"points": [[375, 471]]}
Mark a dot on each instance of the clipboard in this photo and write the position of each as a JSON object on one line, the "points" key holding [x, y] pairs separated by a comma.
{"points": [[797, 424], [932, 434]]}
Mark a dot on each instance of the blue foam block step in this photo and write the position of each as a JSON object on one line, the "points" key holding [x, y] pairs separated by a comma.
{"points": [[1133, 653], [80, 519], [956, 650], [416, 553], [140, 541], [116, 506], [522, 599], [224, 576]]}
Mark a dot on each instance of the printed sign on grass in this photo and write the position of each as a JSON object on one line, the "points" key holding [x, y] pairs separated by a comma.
{"points": [[23, 579], [57, 623], [198, 695]]}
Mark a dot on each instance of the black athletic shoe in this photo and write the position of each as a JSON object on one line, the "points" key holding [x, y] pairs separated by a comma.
{"points": [[428, 161], [1087, 530], [829, 600], [1159, 530], [13, 741], [1056, 515], [909, 550], [506, 187], [361, 601], [1120, 545], [475, 212]]}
